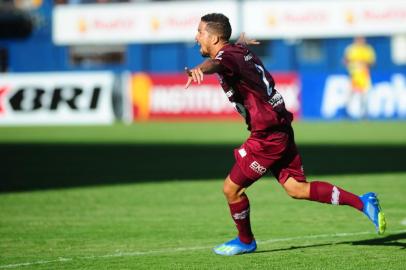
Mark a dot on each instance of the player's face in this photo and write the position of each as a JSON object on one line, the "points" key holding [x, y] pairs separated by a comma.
{"points": [[203, 38]]}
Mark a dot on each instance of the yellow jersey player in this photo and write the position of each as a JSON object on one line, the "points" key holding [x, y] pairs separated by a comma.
{"points": [[359, 57]]}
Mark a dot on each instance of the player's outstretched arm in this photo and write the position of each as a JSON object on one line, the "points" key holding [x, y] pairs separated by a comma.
{"points": [[244, 40], [196, 74]]}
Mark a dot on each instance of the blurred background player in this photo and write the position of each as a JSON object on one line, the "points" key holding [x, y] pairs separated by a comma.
{"points": [[358, 58], [270, 146]]}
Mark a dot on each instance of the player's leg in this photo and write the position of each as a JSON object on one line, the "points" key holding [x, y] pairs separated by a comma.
{"points": [[322, 192], [249, 167], [239, 208], [240, 212], [289, 172], [325, 192]]}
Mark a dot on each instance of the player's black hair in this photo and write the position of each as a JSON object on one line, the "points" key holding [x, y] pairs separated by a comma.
{"points": [[219, 24]]}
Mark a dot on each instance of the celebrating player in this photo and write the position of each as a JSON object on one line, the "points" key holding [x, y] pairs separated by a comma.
{"points": [[270, 146]]}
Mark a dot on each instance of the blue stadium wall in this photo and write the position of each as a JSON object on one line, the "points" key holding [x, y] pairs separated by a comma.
{"points": [[33, 53]]}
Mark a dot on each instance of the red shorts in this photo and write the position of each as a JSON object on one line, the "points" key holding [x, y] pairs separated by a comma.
{"points": [[274, 152]]}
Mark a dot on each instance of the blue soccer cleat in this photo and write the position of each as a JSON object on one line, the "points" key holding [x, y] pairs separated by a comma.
{"points": [[372, 210], [235, 247]]}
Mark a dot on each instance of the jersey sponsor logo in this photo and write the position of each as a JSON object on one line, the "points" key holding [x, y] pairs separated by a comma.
{"points": [[256, 167], [248, 57], [276, 99], [230, 93]]}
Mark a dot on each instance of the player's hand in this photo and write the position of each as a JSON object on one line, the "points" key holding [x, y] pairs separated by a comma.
{"points": [[194, 75], [243, 39]]}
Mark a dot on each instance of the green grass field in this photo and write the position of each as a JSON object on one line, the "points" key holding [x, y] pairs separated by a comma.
{"points": [[148, 196]]}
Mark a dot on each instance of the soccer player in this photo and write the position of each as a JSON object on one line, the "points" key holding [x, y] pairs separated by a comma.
{"points": [[358, 58], [270, 146]]}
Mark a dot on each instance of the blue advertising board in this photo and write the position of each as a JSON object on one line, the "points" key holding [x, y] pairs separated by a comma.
{"points": [[330, 97]]}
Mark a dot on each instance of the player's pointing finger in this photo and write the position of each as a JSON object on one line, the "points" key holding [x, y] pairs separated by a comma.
{"points": [[189, 81]]}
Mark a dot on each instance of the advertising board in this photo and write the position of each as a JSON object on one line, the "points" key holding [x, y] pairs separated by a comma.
{"points": [[56, 98], [329, 96], [303, 19], [135, 22], [163, 97], [177, 21]]}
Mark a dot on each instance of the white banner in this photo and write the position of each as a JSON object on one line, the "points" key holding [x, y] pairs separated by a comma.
{"points": [[136, 22], [307, 19], [177, 21], [56, 98]]}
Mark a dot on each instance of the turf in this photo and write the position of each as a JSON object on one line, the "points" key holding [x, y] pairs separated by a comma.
{"points": [[171, 220], [173, 226], [206, 133]]}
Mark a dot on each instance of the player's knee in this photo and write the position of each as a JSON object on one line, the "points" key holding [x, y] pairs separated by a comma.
{"points": [[297, 190], [229, 192]]}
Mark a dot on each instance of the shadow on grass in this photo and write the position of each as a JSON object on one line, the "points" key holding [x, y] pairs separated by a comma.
{"points": [[40, 166], [392, 240]]}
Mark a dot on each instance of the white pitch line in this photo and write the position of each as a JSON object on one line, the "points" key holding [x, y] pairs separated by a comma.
{"points": [[182, 249], [318, 236], [37, 262]]}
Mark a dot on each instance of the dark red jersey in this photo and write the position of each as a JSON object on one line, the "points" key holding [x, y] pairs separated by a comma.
{"points": [[251, 89]]}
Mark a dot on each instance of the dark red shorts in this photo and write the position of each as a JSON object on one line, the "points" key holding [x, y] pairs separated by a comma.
{"points": [[274, 152]]}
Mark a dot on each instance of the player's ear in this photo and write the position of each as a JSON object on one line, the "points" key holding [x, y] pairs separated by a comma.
{"points": [[215, 39]]}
